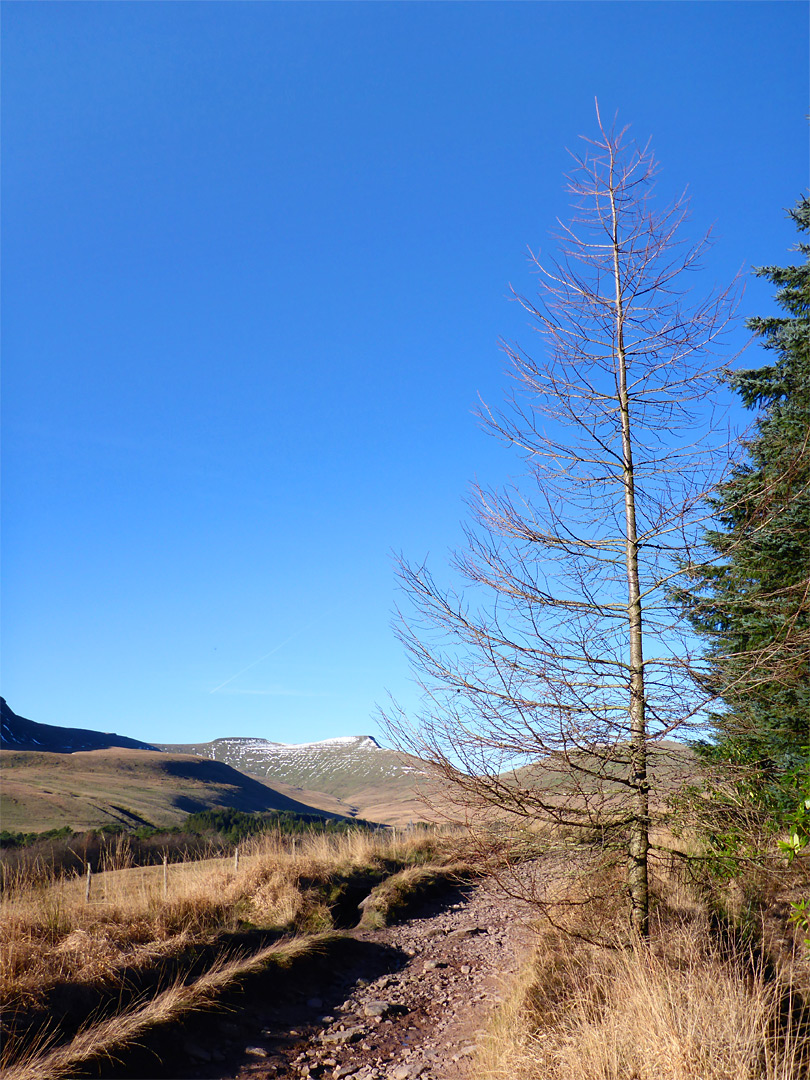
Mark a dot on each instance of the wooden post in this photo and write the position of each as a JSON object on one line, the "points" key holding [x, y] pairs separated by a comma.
{"points": [[236, 859], [165, 876], [87, 887], [293, 847]]}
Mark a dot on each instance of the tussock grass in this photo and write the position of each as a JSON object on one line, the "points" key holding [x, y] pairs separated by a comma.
{"points": [[393, 898], [701, 1001], [109, 1037], [686, 1014], [49, 933], [140, 929]]}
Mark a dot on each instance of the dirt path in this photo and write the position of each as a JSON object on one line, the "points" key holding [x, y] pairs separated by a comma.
{"points": [[406, 1001]]}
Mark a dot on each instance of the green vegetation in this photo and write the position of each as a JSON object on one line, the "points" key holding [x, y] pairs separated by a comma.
{"points": [[232, 826], [228, 824], [20, 839], [204, 834], [749, 600]]}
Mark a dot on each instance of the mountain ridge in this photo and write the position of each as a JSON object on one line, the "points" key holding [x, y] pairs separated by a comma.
{"points": [[19, 733], [345, 776], [89, 788], [341, 767]]}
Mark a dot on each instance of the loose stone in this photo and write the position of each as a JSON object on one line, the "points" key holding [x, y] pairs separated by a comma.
{"points": [[377, 1008], [340, 1038]]}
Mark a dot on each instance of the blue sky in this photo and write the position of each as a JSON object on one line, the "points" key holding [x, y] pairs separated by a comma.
{"points": [[257, 260]]}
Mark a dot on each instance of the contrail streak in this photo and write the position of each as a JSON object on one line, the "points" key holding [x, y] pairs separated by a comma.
{"points": [[275, 649]]}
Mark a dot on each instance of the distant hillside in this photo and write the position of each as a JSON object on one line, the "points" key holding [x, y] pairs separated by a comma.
{"points": [[670, 764], [352, 777], [17, 733], [377, 784], [87, 789]]}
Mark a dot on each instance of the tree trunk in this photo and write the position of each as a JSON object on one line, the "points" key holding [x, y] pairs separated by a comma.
{"points": [[546, 666], [639, 840]]}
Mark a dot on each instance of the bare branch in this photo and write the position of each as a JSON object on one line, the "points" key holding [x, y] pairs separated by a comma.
{"points": [[539, 701]]}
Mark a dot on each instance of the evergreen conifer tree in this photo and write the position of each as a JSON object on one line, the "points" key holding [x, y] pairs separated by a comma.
{"points": [[751, 600]]}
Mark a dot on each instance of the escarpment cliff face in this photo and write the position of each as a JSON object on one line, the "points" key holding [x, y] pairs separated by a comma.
{"points": [[336, 766], [18, 733]]}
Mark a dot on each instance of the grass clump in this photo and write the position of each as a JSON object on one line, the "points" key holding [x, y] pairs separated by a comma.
{"points": [[29, 858], [394, 897], [145, 927], [111, 1036], [700, 1001]]}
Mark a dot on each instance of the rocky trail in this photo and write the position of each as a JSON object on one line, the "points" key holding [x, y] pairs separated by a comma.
{"points": [[398, 1003]]}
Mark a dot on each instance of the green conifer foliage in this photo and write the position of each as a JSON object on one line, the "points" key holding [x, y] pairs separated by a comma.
{"points": [[751, 600]]}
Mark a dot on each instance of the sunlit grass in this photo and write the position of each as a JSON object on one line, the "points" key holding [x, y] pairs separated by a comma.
{"points": [[700, 1001], [139, 919]]}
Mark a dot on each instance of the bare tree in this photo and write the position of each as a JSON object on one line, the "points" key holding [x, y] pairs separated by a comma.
{"points": [[561, 660]]}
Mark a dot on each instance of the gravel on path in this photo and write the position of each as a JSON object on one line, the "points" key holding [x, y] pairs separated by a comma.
{"points": [[415, 1011]]}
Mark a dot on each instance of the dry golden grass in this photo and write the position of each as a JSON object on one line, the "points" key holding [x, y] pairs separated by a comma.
{"points": [[110, 1036], [137, 921], [389, 900], [696, 1003], [49, 933]]}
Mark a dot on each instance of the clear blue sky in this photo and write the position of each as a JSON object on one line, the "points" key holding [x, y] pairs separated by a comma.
{"points": [[256, 265]]}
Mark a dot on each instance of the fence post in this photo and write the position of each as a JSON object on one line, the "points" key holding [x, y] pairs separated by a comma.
{"points": [[165, 876], [293, 847], [87, 887], [236, 859]]}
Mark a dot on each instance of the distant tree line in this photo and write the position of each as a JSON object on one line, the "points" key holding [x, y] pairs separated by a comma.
{"points": [[233, 826], [205, 834], [228, 824]]}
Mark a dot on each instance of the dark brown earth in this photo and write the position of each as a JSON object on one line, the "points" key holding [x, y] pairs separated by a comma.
{"points": [[398, 1003]]}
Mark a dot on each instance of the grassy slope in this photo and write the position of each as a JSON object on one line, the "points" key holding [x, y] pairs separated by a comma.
{"points": [[45, 791], [670, 764], [390, 804]]}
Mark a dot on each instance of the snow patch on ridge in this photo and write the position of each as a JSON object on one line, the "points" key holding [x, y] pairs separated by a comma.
{"points": [[359, 742], [354, 758]]}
